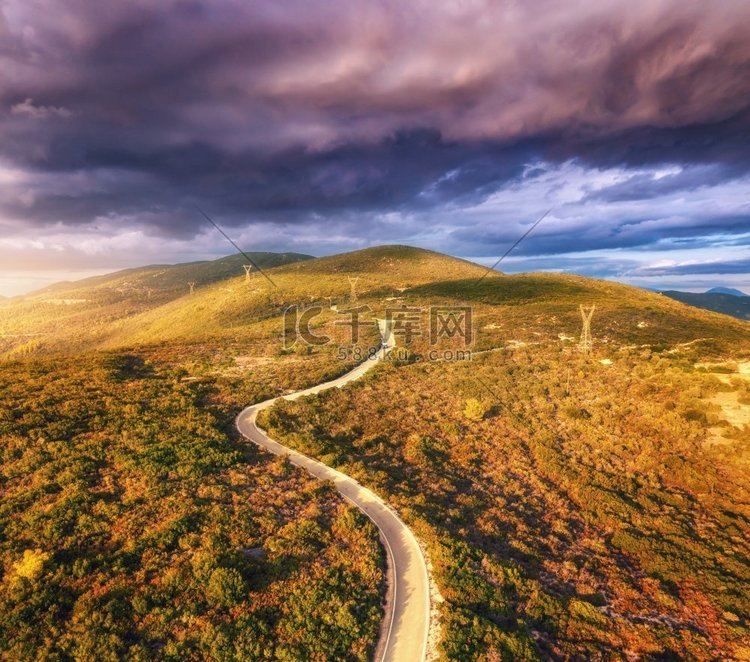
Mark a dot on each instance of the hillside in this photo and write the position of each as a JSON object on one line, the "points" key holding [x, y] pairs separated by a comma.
{"points": [[523, 307], [233, 309], [164, 280], [116, 312], [135, 525], [573, 506], [732, 304], [72, 313]]}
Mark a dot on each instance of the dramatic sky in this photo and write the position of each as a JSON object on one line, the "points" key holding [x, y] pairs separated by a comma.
{"points": [[320, 126]]}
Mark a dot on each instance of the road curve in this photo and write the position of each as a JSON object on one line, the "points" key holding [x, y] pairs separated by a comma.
{"points": [[404, 636]]}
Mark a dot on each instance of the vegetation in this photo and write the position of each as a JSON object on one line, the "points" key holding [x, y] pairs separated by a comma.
{"points": [[574, 507], [584, 517], [474, 410], [132, 526], [83, 314], [236, 312]]}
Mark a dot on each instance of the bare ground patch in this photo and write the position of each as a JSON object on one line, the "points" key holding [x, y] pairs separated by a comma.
{"points": [[733, 410]]}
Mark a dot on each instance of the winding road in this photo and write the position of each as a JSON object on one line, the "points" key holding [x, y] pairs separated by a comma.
{"points": [[404, 633]]}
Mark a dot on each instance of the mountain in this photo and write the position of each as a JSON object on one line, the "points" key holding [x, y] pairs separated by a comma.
{"points": [[726, 290], [383, 272], [727, 303], [392, 276], [112, 311]]}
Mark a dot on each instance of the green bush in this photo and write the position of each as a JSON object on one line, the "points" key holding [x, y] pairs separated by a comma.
{"points": [[225, 586]]}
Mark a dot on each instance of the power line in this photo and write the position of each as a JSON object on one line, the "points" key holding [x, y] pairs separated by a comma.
{"points": [[229, 239], [525, 234]]}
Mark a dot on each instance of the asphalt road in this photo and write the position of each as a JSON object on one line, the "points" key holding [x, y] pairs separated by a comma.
{"points": [[404, 634]]}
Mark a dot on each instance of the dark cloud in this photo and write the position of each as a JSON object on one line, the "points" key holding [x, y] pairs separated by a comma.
{"points": [[644, 185], [291, 112], [635, 229]]}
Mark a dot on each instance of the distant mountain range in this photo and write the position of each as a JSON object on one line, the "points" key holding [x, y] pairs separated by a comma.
{"points": [[726, 300], [726, 290]]}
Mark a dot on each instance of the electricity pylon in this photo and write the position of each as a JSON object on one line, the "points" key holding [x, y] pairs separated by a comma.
{"points": [[248, 268], [353, 284], [191, 285], [586, 315]]}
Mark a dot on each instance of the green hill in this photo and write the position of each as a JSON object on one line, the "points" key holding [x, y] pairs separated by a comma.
{"points": [[382, 273], [525, 305], [111, 311], [74, 314], [161, 281]]}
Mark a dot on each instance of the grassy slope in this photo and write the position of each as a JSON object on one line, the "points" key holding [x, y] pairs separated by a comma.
{"points": [[73, 315], [219, 307], [512, 306], [526, 305], [165, 278], [506, 306], [581, 517], [585, 515]]}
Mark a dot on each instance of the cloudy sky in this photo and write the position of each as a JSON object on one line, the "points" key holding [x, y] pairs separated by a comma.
{"points": [[327, 126]]}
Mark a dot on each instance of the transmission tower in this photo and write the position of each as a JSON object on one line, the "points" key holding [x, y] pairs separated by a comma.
{"points": [[248, 268], [353, 284], [586, 315], [191, 285]]}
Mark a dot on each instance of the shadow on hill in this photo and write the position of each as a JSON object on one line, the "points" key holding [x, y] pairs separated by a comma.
{"points": [[122, 367], [507, 290]]}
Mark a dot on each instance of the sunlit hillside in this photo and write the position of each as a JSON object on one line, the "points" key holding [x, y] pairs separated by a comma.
{"points": [[73, 314], [571, 504], [226, 305]]}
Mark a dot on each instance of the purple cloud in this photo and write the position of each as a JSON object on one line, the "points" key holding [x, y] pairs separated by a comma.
{"points": [[291, 115]]}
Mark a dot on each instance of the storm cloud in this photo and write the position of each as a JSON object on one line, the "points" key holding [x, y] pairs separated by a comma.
{"points": [[121, 117]]}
